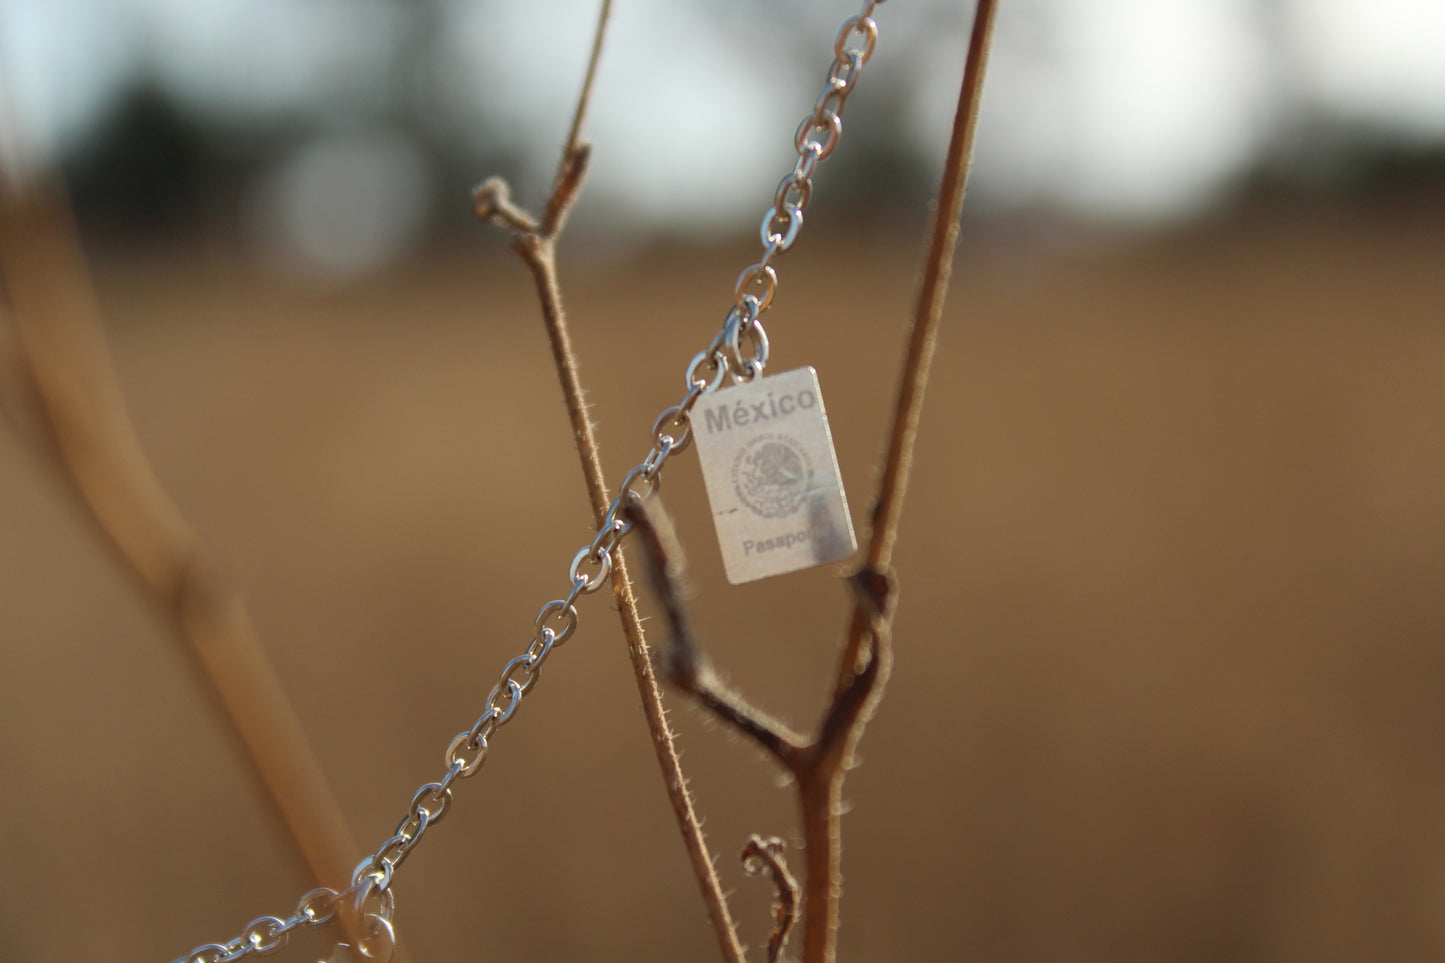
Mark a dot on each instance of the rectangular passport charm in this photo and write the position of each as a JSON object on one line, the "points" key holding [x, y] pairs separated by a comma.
{"points": [[772, 476]]}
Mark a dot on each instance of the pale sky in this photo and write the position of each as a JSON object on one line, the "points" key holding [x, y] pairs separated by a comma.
{"points": [[1117, 109]]}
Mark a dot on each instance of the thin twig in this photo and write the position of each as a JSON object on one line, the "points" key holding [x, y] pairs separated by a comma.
{"points": [[816, 767], [859, 686], [819, 767], [923, 337], [538, 253], [78, 416], [563, 192], [766, 856], [873, 591], [681, 659], [535, 240]]}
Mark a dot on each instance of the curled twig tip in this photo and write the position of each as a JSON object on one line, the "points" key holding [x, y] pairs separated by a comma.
{"points": [[492, 201], [766, 857], [487, 195]]}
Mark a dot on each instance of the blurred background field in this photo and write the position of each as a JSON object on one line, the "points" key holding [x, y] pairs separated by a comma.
{"points": [[1170, 663]]}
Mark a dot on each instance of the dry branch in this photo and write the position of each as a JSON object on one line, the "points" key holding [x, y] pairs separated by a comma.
{"points": [[818, 767], [535, 241], [858, 687], [682, 660], [79, 418], [923, 335]]}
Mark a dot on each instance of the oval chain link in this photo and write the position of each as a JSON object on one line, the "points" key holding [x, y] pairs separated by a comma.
{"points": [[591, 568], [816, 137]]}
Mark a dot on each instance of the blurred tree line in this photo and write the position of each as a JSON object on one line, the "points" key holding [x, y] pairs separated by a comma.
{"points": [[158, 163]]}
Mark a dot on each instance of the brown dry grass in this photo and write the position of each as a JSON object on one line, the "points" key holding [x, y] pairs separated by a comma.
{"points": [[1169, 647]]}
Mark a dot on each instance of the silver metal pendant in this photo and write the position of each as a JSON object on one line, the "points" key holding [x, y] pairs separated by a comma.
{"points": [[772, 476]]}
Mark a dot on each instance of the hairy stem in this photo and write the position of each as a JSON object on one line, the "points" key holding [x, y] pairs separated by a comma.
{"points": [[535, 242], [859, 686], [826, 763], [561, 197], [766, 856], [538, 253], [819, 800], [682, 660], [923, 336]]}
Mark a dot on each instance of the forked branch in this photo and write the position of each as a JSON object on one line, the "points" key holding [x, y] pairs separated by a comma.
{"points": [[819, 766]]}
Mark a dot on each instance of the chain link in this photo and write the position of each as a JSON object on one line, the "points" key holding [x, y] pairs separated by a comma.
{"points": [[740, 348], [816, 138], [266, 935]]}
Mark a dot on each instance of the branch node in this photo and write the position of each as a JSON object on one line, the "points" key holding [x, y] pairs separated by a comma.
{"points": [[875, 589], [853, 702], [492, 201], [570, 174]]}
